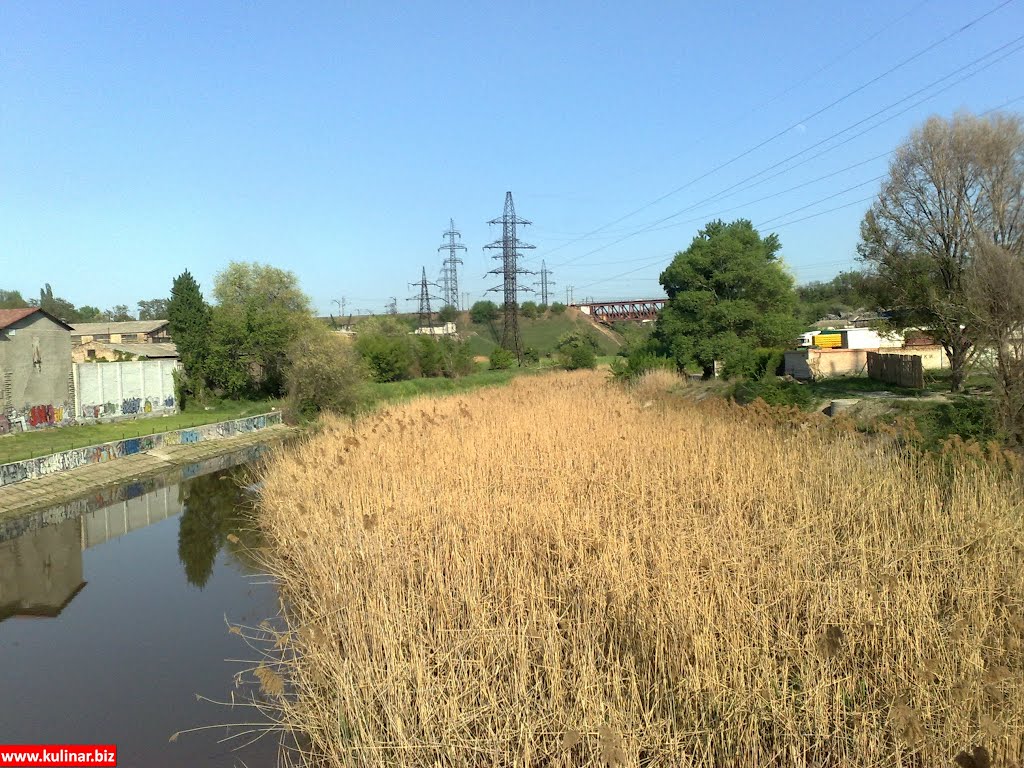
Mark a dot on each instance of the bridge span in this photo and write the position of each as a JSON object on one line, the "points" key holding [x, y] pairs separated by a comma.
{"points": [[609, 312]]}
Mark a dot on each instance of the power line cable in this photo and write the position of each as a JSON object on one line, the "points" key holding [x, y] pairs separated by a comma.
{"points": [[729, 190], [660, 259], [767, 222], [803, 120]]}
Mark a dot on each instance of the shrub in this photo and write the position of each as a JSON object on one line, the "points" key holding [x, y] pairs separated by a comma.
{"points": [[529, 309], [577, 349], [970, 417], [531, 355], [502, 359], [386, 348], [769, 361], [388, 358], [557, 308], [639, 362], [324, 373], [448, 314], [483, 312], [429, 360], [774, 391]]}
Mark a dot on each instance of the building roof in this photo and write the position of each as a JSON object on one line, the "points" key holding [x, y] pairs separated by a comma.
{"points": [[129, 326], [9, 317], [152, 350]]}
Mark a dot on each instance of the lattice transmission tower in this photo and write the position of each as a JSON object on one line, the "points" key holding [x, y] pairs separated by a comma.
{"points": [[424, 298], [450, 265], [510, 270], [545, 282]]}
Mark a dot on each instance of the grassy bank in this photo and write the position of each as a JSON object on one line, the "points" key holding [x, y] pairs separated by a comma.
{"points": [[42, 442], [561, 573], [27, 445], [935, 414], [393, 391], [540, 333]]}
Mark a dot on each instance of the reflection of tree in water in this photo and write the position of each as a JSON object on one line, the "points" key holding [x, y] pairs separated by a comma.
{"points": [[213, 507]]}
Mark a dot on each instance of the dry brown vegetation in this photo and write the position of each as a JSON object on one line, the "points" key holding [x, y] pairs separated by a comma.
{"points": [[562, 573]]}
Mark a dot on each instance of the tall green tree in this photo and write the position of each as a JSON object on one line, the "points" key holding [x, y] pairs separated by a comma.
{"points": [[846, 292], [153, 309], [484, 312], [189, 322], [118, 314], [952, 184], [447, 314], [12, 300], [728, 294], [56, 306], [260, 311]]}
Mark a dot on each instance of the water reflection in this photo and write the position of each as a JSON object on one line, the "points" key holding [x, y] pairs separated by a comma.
{"points": [[212, 510], [41, 553], [135, 604], [41, 572]]}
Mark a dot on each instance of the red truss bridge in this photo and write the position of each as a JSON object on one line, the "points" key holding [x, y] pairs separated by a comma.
{"points": [[609, 312]]}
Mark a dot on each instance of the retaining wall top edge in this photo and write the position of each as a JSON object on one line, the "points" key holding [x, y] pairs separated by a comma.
{"points": [[139, 437]]}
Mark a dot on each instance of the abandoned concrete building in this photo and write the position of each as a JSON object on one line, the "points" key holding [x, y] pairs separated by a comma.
{"points": [[129, 340], [36, 382]]}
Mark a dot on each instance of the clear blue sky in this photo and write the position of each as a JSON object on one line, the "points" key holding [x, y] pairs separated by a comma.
{"points": [[336, 139]]}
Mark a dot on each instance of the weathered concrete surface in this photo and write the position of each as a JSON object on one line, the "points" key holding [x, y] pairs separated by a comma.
{"points": [[36, 389], [63, 461], [45, 491]]}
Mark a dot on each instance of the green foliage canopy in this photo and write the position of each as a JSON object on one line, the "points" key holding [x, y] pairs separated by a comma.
{"points": [[154, 309], [484, 312], [189, 322], [729, 294], [529, 310], [577, 349], [324, 373], [260, 311]]}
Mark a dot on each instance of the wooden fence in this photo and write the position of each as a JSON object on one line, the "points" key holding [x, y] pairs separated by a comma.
{"points": [[901, 370]]}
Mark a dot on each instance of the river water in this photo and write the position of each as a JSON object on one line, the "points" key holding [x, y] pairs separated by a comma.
{"points": [[113, 614]]}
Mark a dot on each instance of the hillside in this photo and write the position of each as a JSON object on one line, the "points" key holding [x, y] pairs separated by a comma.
{"points": [[542, 334]]}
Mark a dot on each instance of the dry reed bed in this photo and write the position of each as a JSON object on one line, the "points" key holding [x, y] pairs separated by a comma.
{"points": [[561, 573]]}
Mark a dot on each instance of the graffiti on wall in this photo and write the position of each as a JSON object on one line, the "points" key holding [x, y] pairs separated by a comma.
{"points": [[45, 415], [29, 469], [131, 389]]}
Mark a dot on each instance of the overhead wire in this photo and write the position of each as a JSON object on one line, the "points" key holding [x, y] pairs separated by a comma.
{"points": [[653, 226], [661, 258], [960, 30]]}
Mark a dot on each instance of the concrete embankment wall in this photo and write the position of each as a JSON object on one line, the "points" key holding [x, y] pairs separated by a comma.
{"points": [[28, 469]]}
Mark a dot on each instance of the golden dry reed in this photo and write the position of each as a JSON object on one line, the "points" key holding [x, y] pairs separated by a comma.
{"points": [[563, 573]]}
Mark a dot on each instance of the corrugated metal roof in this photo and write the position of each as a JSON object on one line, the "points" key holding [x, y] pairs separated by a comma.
{"points": [[129, 326], [143, 349]]}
